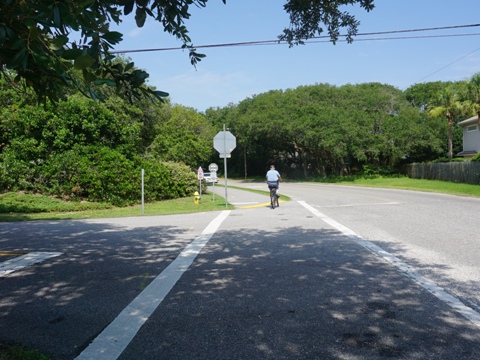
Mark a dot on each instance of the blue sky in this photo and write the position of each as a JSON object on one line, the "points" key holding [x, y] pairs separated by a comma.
{"points": [[231, 74]]}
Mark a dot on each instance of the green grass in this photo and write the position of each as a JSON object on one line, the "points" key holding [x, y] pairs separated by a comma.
{"points": [[405, 183], [22, 207]]}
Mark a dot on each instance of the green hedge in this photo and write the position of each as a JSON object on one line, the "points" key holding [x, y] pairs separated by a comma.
{"points": [[101, 174], [476, 157]]}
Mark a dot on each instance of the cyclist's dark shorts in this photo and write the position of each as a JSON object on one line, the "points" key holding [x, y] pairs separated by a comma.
{"points": [[273, 184]]}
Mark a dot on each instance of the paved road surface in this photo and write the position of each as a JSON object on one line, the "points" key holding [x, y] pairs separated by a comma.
{"points": [[337, 273]]}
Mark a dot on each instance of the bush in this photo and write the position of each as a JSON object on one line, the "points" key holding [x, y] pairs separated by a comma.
{"points": [[27, 203], [101, 174], [184, 180], [167, 180], [446, 159], [16, 174], [369, 170], [476, 157], [92, 173]]}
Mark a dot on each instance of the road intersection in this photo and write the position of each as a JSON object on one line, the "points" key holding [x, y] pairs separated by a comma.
{"points": [[303, 281]]}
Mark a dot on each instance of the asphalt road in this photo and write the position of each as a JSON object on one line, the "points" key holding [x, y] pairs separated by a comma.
{"points": [[336, 273]]}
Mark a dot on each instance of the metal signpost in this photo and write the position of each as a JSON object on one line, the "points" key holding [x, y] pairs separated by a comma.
{"points": [[143, 191], [224, 142], [213, 175], [200, 178]]}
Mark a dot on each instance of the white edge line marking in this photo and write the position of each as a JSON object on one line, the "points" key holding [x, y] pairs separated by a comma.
{"points": [[428, 285], [20, 262], [117, 335]]}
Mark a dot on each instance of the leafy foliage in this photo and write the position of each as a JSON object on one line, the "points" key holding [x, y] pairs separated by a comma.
{"points": [[79, 149], [28, 203], [306, 18], [449, 106], [184, 136], [476, 157], [38, 40], [105, 175], [324, 129]]}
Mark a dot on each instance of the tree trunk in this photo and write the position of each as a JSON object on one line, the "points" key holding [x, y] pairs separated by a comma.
{"points": [[450, 143]]}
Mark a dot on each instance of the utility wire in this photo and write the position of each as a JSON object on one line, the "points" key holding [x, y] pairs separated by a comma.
{"points": [[315, 39], [453, 62]]}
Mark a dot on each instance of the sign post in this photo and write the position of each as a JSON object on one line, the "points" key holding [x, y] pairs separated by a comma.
{"points": [[213, 174], [224, 142], [200, 178], [143, 191]]}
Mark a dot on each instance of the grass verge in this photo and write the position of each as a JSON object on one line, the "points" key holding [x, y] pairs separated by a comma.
{"points": [[406, 183], [23, 207]]}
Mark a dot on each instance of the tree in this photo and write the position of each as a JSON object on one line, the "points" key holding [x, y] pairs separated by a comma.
{"points": [[448, 104], [473, 93], [423, 95], [37, 39], [185, 136]]}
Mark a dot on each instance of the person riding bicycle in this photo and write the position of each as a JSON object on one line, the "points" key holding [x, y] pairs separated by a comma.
{"points": [[273, 178]]}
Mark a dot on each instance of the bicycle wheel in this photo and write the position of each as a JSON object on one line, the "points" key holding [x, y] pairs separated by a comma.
{"points": [[273, 197]]}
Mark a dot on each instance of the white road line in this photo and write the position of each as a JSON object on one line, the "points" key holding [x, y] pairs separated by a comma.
{"points": [[428, 285], [20, 262], [115, 337]]}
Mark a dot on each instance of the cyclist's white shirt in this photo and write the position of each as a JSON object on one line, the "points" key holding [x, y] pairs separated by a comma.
{"points": [[273, 175]]}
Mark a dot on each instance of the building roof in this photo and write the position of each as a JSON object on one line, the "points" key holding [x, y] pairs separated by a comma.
{"points": [[472, 120], [467, 153]]}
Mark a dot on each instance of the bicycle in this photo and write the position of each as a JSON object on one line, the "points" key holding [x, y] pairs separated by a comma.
{"points": [[273, 197]]}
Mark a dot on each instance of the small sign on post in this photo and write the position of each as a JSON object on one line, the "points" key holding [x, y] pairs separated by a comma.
{"points": [[200, 178], [213, 173]]}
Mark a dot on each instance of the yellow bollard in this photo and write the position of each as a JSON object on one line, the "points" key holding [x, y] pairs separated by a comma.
{"points": [[196, 198]]}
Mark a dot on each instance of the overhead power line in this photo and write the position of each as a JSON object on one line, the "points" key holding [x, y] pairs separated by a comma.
{"points": [[318, 39], [453, 62]]}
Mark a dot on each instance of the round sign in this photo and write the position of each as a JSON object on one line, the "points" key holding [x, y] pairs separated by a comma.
{"points": [[213, 167]]}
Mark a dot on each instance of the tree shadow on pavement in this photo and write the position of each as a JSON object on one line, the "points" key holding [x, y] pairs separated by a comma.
{"points": [[292, 293]]}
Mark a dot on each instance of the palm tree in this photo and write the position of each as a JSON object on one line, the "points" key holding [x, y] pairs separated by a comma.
{"points": [[473, 94], [448, 105]]}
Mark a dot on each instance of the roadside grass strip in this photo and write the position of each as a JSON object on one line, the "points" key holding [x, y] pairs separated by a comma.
{"points": [[440, 293], [20, 262], [115, 337]]}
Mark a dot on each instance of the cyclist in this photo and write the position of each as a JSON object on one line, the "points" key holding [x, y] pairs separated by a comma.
{"points": [[273, 178]]}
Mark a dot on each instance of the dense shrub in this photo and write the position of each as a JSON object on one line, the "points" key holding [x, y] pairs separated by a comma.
{"points": [[446, 159], [27, 203], [476, 157], [16, 173], [92, 173], [183, 180], [167, 180], [102, 174]]}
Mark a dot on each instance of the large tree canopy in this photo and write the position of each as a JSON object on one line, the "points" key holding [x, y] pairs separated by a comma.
{"points": [[53, 44], [323, 129]]}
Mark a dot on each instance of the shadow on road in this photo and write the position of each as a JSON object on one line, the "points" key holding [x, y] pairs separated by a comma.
{"points": [[293, 293]]}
